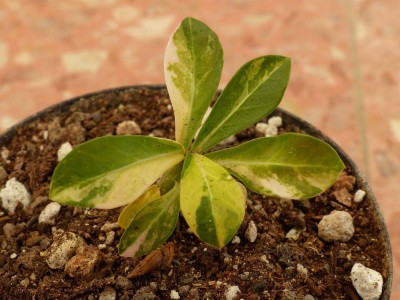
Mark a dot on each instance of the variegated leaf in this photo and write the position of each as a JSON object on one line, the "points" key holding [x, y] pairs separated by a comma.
{"points": [[112, 171], [291, 165], [253, 92], [132, 209], [167, 181], [152, 226], [192, 66], [212, 202]]}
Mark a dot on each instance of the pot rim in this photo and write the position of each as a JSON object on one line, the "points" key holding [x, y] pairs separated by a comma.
{"points": [[63, 106]]}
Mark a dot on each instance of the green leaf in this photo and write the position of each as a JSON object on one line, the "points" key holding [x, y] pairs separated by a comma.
{"points": [[253, 92], [212, 202], [192, 66], [291, 165], [167, 181], [152, 226], [112, 171], [131, 210]]}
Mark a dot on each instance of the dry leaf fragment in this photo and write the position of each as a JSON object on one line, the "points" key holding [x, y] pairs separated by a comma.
{"points": [[158, 258]]}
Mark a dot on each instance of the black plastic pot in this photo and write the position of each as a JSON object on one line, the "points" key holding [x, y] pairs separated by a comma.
{"points": [[92, 98]]}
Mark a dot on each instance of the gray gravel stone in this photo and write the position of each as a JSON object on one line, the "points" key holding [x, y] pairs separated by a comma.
{"points": [[62, 249], [337, 226]]}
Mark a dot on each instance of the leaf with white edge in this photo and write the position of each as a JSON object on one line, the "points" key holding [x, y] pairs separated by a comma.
{"points": [[212, 201], [131, 210], [112, 171], [291, 165], [152, 226], [253, 92], [192, 66]]}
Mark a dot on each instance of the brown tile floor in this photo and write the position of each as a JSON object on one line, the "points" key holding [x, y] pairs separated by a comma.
{"points": [[345, 55]]}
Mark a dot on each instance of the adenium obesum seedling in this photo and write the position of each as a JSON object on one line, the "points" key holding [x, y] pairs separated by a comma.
{"points": [[159, 178]]}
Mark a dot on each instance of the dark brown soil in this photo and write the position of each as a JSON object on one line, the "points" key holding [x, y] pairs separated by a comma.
{"points": [[265, 269]]}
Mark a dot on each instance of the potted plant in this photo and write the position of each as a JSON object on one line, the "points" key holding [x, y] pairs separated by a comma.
{"points": [[256, 241]]}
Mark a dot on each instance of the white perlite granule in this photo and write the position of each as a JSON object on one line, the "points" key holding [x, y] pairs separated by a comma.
{"points": [[232, 292], [267, 129], [294, 234], [13, 193], [109, 237], [49, 213], [275, 121], [64, 150], [228, 141], [174, 295], [303, 272], [359, 196], [235, 240], [367, 282], [251, 232]]}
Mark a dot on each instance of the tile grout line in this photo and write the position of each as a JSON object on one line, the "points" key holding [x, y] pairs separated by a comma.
{"points": [[357, 90]]}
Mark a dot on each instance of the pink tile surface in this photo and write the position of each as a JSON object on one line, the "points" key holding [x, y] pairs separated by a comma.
{"points": [[345, 56]]}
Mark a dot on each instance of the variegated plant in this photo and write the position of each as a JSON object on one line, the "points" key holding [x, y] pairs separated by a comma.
{"points": [[158, 178]]}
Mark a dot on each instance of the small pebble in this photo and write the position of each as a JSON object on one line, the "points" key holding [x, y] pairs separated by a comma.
{"points": [[174, 295], [153, 286], [275, 121], [183, 290], [123, 283], [45, 134], [64, 150], [367, 282], [62, 249], [309, 297], [33, 277], [359, 196], [83, 264], [24, 282], [9, 230], [128, 128], [49, 213], [13, 256], [232, 292], [251, 232], [5, 153], [337, 226], [343, 196], [13, 193], [108, 294]]}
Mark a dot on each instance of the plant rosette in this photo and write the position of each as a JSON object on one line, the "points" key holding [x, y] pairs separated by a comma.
{"points": [[166, 185]]}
